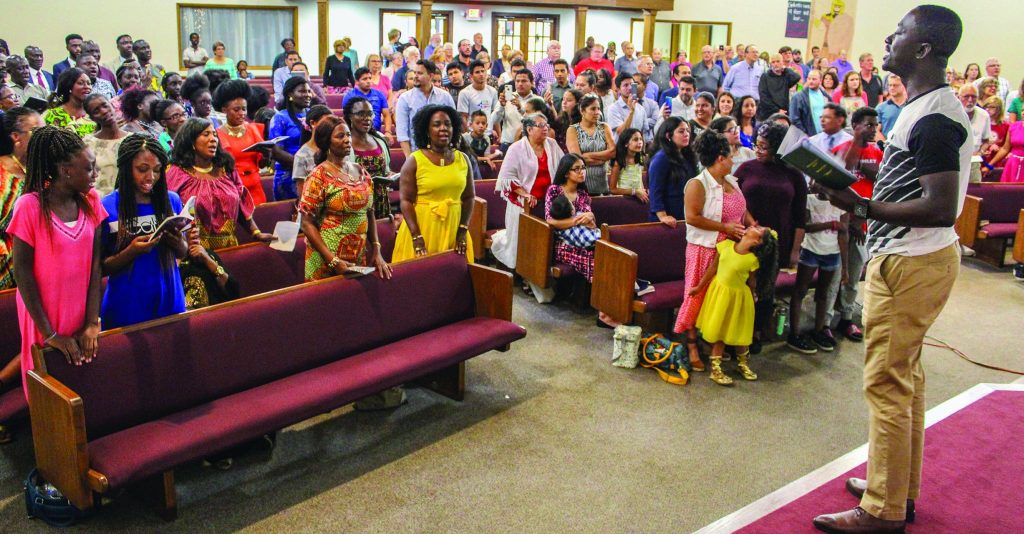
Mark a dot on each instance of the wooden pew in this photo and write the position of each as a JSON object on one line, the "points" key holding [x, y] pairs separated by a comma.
{"points": [[178, 389], [535, 254], [267, 216], [990, 220]]}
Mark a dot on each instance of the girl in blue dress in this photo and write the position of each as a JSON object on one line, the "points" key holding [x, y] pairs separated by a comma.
{"points": [[144, 282]]}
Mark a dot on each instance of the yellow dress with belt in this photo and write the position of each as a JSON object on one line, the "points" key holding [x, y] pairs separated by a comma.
{"points": [[438, 207]]}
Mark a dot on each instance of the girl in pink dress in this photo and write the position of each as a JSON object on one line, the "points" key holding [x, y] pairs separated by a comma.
{"points": [[1013, 152], [56, 249], [715, 210]]}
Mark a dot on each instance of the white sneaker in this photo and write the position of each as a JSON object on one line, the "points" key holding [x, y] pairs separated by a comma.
{"points": [[967, 251]]}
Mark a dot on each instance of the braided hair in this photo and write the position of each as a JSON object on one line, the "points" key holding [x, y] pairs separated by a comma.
{"points": [[49, 148], [767, 254], [65, 84], [290, 86], [127, 206]]}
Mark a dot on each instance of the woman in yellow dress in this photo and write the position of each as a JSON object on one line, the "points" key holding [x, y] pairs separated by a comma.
{"points": [[436, 188], [727, 315]]}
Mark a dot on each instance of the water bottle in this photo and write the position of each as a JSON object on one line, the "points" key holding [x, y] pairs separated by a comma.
{"points": [[51, 491], [782, 315]]}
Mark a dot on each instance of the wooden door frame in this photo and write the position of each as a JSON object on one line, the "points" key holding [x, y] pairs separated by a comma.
{"points": [[449, 16], [496, 52], [674, 39]]}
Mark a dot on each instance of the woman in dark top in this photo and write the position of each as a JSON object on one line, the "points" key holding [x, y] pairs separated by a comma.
{"points": [[777, 198], [338, 69], [672, 165], [776, 193]]}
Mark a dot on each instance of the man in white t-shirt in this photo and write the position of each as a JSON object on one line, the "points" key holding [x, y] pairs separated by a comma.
{"points": [[981, 124], [194, 57], [478, 96], [915, 259]]}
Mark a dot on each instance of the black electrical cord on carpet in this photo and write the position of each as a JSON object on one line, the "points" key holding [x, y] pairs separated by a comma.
{"points": [[943, 345]]}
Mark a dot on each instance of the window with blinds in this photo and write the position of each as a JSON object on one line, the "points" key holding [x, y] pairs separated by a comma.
{"points": [[252, 33]]}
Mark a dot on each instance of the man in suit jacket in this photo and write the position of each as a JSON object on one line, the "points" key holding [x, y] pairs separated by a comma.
{"points": [[806, 106], [37, 75], [73, 43]]}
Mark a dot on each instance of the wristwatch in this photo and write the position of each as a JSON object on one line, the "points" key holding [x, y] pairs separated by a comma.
{"points": [[862, 208], [220, 271]]}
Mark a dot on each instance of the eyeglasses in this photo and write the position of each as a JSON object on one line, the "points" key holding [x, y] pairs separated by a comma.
{"points": [[541, 125], [734, 129], [177, 116], [363, 114], [577, 168]]}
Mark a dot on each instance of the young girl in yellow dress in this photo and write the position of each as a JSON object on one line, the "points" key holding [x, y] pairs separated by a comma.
{"points": [[727, 315]]}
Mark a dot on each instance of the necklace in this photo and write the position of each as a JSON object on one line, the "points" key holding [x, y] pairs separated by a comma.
{"points": [[345, 175], [440, 155], [235, 131], [204, 170], [20, 164]]}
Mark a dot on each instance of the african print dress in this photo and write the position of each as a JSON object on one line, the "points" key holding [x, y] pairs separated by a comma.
{"points": [[338, 208], [57, 116], [11, 185]]}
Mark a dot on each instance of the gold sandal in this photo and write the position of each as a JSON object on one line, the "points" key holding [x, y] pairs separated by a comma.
{"points": [[717, 376], [744, 367]]}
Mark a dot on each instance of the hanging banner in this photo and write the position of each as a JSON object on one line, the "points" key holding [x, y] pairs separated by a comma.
{"points": [[797, 18], [831, 27]]}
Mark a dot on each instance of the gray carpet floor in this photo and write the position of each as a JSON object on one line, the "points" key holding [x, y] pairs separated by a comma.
{"points": [[552, 438]]}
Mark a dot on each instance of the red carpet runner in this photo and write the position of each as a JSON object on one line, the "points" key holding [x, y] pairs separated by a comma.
{"points": [[973, 479]]}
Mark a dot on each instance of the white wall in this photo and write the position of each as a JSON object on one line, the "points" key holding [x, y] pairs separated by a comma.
{"points": [[762, 22]]}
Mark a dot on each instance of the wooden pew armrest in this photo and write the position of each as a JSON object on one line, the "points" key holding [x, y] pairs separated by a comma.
{"points": [[478, 226], [614, 275], [1018, 240], [58, 432], [967, 223], [493, 291], [535, 250]]}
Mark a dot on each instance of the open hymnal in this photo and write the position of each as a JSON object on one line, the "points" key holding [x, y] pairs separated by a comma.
{"points": [[177, 223], [797, 150], [264, 144]]}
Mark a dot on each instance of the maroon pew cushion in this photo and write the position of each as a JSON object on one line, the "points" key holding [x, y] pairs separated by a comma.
{"points": [[267, 183], [1000, 230], [334, 100], [10, 341], [564, 269], [266, 217], [660, 250], [386, 235], [12, 404], [616, 209], [666, 296], [495, 204], [218, 351], [259, 268], [155, 446], [397, 159], [1000, 203]]}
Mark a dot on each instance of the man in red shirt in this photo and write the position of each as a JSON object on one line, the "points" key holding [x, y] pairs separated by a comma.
{"points": [[596, 61], [863, 158]]}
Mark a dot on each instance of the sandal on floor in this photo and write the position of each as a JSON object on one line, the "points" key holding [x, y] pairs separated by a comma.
{"points": [[695, 363]]}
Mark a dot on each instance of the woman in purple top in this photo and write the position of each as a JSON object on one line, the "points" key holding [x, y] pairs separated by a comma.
{"points": [[777, 198], [776, 193]]}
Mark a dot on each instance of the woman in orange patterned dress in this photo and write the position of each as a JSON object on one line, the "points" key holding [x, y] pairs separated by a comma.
{"points": [[337, 208]]}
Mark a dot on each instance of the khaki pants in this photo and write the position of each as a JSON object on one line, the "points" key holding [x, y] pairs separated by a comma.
{"points": [[903, 296]]}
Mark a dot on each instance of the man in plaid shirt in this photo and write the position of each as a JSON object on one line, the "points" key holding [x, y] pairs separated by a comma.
{"points": [[544, 70]]}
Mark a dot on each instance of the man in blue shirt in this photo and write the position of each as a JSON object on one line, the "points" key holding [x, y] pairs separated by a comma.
{"points": [[364, 88], [889, 110], [413, 100], [744, 77]]}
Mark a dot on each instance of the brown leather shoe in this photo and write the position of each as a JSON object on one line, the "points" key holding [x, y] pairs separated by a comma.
{"points": [[857, 521], [857, 487]]}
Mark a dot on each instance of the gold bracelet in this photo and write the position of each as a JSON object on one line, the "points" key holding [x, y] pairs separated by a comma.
{"points": [[464, 227], [256, 233], [417, 236]]}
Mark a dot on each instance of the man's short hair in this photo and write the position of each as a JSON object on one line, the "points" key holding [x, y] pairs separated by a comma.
{"points": [[193, 34], [813, 48], [785, 49], [797, 51], [360, 72], [864, 56], [679, 67], [838, 110], [517, 62], [119, 37], [861, 114], [410, 50], [525, 72], [476, 63], [477, 113], [454, 65], [291, 53], [690, 80], [941, 27], [562, 62], [70, 36], [287, 40], [621, 77], [429, 66]]}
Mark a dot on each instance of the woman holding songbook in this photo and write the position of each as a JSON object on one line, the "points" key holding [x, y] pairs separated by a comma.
{"points": [[237, 134], [143, 281]]}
